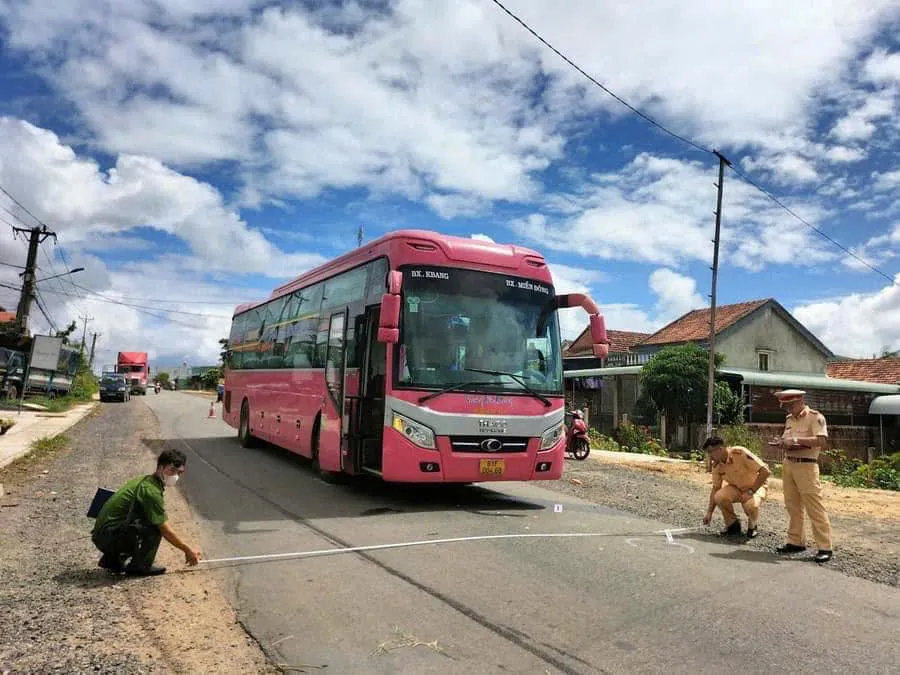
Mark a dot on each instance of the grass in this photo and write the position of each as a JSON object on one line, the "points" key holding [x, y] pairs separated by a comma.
{"points": [[47, 445]]}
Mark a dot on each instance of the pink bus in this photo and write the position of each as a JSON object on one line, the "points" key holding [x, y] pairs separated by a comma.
{"points": [[418, 357]]}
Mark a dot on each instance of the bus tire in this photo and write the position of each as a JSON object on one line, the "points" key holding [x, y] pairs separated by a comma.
{"points": [[246, 439], [330, 477]]}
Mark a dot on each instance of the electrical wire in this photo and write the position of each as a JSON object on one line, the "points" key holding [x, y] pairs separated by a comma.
{"points": [[229, 303], [692, 144], [815, 229], [21, 206], [140, 308], [610, 92]]}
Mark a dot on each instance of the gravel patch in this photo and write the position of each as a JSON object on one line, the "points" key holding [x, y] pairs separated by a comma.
{"points": [[60, 612], [866, 548]]}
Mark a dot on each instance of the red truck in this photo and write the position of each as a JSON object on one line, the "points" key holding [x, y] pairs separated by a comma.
{"points": [[136, 368]]}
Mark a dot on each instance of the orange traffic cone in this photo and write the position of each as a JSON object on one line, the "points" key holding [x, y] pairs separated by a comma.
{"points": [[212, 412]]}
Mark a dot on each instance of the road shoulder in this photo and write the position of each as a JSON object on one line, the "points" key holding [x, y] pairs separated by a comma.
{"points": [[61, 612]]}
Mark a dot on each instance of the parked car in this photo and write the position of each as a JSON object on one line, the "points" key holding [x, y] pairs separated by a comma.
{"points": [[114, 387]]}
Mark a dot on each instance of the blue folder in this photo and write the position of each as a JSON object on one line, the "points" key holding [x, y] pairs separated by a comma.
{"points": [[99, 500]]}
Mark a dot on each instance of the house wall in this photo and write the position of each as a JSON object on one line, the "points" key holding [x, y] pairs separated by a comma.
{"points": [[765, 329]]}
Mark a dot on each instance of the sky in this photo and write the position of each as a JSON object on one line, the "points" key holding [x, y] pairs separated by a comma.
{"points": [[194, 154]]}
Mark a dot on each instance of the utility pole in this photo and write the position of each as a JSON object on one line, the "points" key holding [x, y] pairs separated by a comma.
{"points": [[711, 384], [93, 347], [85, 318], [36, 237], [359, 236]]}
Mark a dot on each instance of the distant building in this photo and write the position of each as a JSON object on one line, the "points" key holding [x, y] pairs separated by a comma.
{"points": [[765, 349]]}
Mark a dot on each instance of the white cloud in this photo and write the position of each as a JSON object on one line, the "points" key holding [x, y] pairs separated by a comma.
{"points": [[887, 181], [788, 168], [377, 102], [841, 153], [858, 325], [84, 203], [482, 237], [97, 212], [659, 210], [675, 294], [859, 124], [882, 67]]}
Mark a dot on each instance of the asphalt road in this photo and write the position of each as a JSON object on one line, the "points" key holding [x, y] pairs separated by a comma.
{"points": [[627, 601]]}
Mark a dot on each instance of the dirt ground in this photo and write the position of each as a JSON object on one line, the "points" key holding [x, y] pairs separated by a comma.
{"points": [[61, 613], [881, 504], [865, 523]]}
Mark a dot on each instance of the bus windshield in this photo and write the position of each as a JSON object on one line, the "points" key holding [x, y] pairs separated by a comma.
{"points": [[454, 321]]}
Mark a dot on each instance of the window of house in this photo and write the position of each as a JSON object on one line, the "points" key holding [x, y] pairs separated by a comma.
{"points": [[763, 360]]}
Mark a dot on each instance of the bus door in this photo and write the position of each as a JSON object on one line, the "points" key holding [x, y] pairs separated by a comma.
{"points": [[335, 359], [367, 419]]}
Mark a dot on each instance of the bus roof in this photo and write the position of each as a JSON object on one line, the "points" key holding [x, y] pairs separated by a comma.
{"points": [[460, 249]]}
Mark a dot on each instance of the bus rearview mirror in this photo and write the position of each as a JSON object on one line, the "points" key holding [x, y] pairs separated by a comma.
{"points": [[389, 319]]}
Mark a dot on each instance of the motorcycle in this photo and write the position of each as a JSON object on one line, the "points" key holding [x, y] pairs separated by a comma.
{"points": [[156, 387], [577, 443]]}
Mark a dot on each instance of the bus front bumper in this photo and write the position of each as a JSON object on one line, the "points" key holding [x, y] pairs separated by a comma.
{"points": [[405, 462]]}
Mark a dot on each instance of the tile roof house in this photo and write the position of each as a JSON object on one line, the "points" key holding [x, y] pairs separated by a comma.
{"points": [[757, 335], [620, 342], [885, 370], [7, 317]]}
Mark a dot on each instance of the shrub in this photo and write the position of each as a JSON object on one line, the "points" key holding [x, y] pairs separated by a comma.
{"points": [[739, 434], [601, 442], [634, 438], [883, 473], [84, 386]]}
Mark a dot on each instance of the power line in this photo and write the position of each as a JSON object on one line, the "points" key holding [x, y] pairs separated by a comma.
{"points": [[230, 303], [811, 226], [18, 267], [687, 141], [661, 127], [21, 206], [138, 308]]}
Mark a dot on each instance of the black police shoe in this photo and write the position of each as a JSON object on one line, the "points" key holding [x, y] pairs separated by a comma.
{"points": [[751, 533], [822, 556], [790, 548], [733, 530], [151, 571], [110, 564]]}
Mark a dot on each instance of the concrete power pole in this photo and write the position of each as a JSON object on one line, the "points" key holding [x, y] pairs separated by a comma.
{"points": [[85, 318], [711, 384], [93, 347], [36, 236]]}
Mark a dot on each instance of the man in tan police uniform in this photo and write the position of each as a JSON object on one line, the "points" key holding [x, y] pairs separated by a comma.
{"points": [[805, 432], [745, 476]]}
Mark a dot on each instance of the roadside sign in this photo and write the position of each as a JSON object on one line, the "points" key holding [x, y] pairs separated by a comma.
{"points": [[45, 352]]}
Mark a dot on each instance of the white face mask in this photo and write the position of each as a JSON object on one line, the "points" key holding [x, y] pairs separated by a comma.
{"points": [[171, 480]]}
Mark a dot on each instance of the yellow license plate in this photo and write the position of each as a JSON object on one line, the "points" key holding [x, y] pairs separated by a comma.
{"points": [[492, 467]]}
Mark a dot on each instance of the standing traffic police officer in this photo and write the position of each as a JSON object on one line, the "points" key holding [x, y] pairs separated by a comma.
{"points": [[805, 432]]}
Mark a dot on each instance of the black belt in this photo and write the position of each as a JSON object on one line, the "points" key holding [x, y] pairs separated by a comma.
{"points": [[801, 459]]}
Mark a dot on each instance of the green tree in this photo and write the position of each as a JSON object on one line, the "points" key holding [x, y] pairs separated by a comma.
{"points": [[67, 333], [211, 377], [728, 407], [223, 351], [163, 378], [675, 381]]}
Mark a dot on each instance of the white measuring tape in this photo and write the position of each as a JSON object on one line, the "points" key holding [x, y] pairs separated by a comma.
{"points": [[406, 544]]}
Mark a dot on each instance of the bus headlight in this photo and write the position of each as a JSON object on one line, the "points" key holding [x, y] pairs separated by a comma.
{"points": [[415, 432], [551, 437]]}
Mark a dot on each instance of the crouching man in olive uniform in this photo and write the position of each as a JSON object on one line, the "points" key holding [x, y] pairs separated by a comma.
{"points": [[132, 522]]}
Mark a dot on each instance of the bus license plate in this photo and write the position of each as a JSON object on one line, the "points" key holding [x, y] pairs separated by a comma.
{"points": [[492, 467]]}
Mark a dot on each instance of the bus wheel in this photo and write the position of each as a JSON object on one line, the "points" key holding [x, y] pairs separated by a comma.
{"points": [[246, 439]]}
